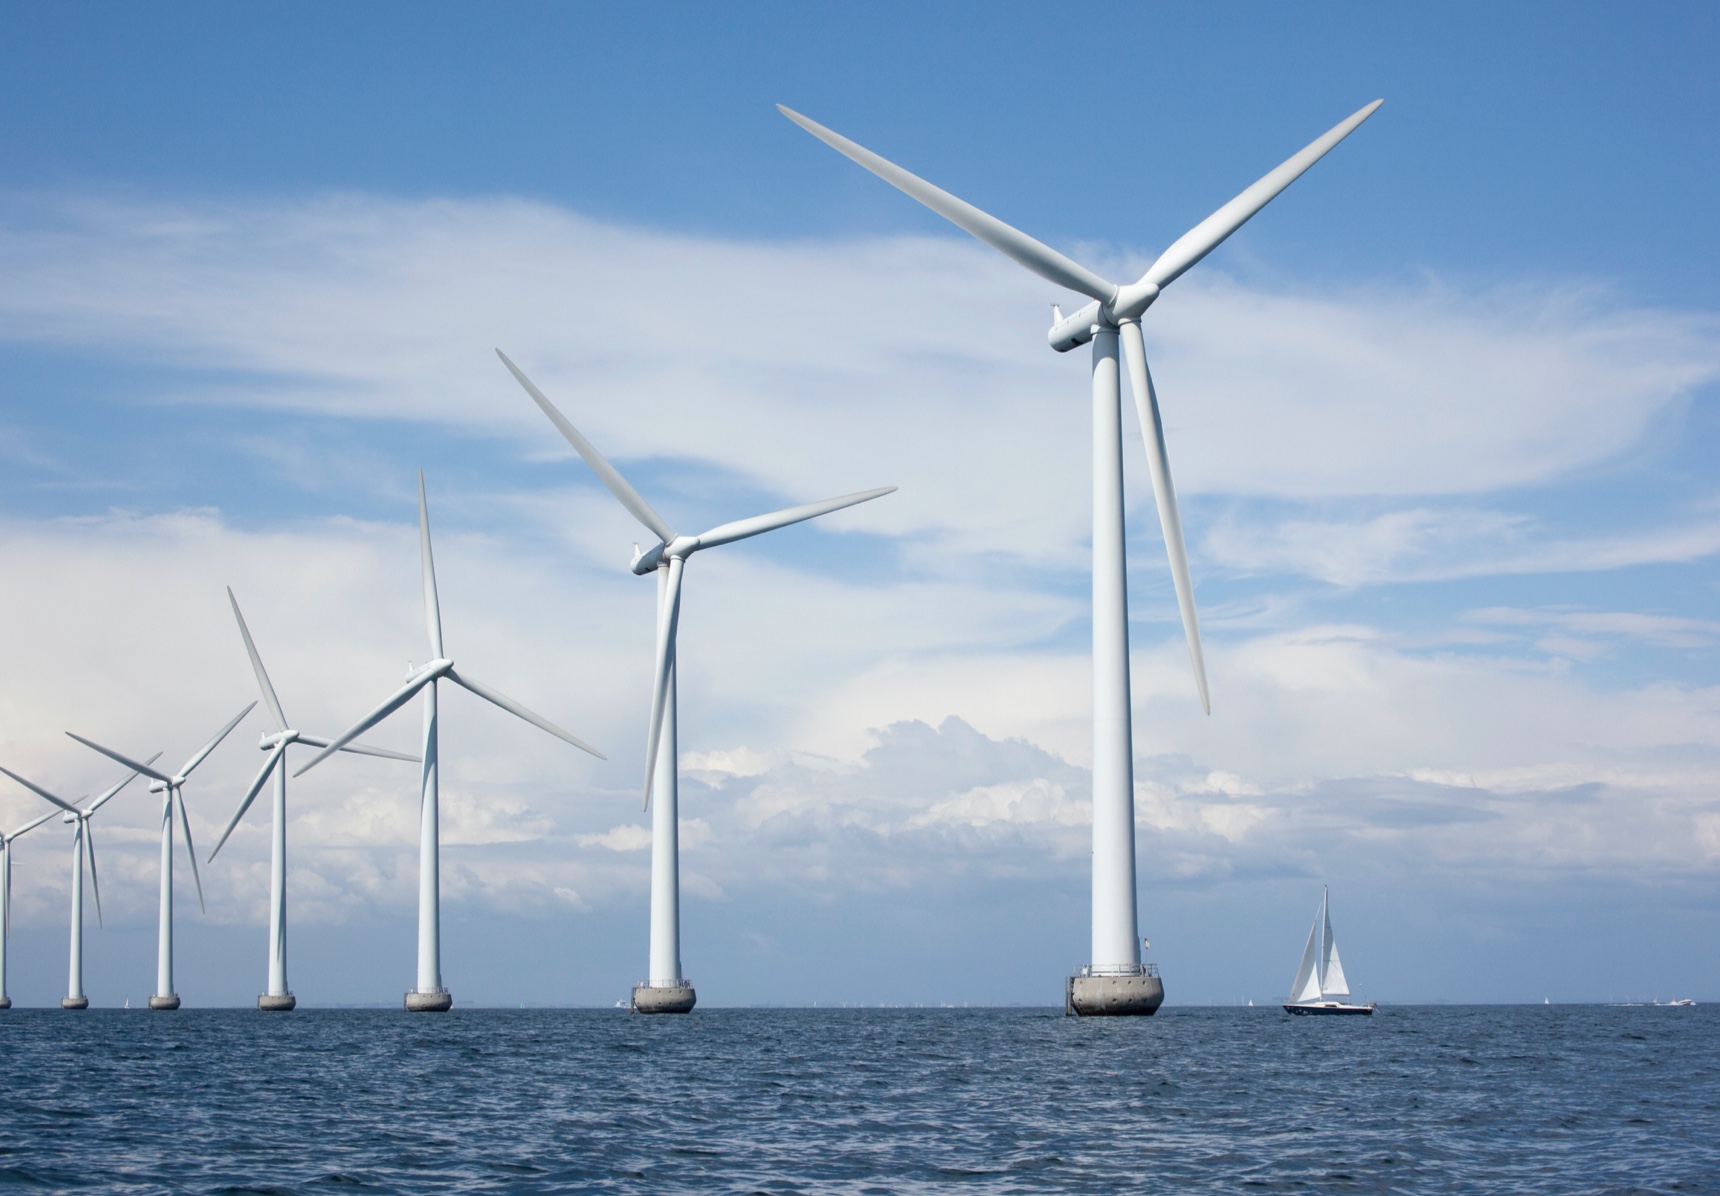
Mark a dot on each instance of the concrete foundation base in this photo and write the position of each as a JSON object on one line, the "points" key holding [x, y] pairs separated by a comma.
{"points": [[1138, 995], [169, 1002], [417, 1002], [5, 1002], [74, 1002], [277, 1002], [678, 998]]}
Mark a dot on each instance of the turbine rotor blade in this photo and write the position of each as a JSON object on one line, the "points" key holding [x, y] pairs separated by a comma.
{"points": [[740, 529], [250, 796], [361, 749], [269, 698], [203, 752], [607, 473], [1007, 240], [89, 850], [1159, 464], [398, 699], [514, 708], [668, 618], [1206, 236], [145, 769], [41, 792], [30, 826], [432, 607], [109, 794], [185, 825]]}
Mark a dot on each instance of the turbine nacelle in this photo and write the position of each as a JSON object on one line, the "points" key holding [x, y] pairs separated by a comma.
{"points": [[1071, 331], [269, 741]]}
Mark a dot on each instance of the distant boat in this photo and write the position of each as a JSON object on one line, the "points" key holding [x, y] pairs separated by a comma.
{"points": [[1320, 979], [1677, 1003]]}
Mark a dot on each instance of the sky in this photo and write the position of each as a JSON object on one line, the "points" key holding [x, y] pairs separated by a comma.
{"points": [[1442, 420]]}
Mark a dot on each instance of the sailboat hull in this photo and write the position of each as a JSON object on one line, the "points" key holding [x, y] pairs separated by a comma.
{"points": [[1328, 1007]]}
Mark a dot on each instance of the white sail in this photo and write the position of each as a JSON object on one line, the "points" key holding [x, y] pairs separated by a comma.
{"points": [[1307, 984], [1332, 981], [1334, 985]]}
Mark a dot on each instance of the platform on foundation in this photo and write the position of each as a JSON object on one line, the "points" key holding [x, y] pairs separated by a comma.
{"points": [[5, 1002], [168, 1002], [74, 1002], [277, 1002], [1126, 994], [664, 998], [433, 1002]]}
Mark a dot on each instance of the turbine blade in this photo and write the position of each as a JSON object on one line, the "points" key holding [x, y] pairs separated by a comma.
{"points": [[1204, 237], [668, 618], [361, 749], [740, 529], [1007, 240], [41, 792], [398, 699], [32, 825], [108, 796], [190, 850], [203, 752], [1159, 464], [89, 848], [607, 473], [269, 698], [432, 608], [145, 769], [514, 708], [250, 796]]}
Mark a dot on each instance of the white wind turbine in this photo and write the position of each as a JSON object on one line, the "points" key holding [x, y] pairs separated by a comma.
{"points": [[279, 997], [83, 845], [429, 996], [6, 896], [172, 798], [666, 990], [1115, 982]]}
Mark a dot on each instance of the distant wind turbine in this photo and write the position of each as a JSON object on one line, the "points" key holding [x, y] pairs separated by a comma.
{"points": [[279, 997], [172, 798], [83, 846], [666, 990], [1116, 981], [429, 996]]}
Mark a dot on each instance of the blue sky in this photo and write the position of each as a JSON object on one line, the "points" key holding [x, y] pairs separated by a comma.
{"points": [[1442, 418]]}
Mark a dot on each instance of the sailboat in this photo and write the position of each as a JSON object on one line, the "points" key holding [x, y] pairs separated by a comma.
{"points": [[1320, 980]]}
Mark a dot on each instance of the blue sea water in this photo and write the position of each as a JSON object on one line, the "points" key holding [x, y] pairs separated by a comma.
{"points": [[1415, 1099]]}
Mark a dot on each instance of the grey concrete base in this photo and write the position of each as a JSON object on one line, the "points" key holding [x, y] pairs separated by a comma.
{"points": [[5, 1002], [277, 1002], [171, 1002], [417, 1002], [678, 998], [74, 1002], [1114, 996]]}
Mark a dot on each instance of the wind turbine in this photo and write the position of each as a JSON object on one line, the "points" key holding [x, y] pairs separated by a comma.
{"points": [[429, 996], [279, 998], [666, 990], [83, 845], [6, 896], [172, 798], [1115, 982]]}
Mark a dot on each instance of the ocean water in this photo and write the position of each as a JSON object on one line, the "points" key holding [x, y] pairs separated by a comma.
{"points": [[1415, 1099]]}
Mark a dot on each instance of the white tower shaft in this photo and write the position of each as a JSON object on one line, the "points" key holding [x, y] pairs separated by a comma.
{"points": [[5, 916], [75, 973], [164, 936], [429, 858], [665, 960], [278, 888], [1116, 946]]}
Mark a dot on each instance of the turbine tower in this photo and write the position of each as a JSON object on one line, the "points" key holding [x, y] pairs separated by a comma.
{"points": [[1115, 982], [6, 896], [172, 798], [279, 998], [429, 996], [83, 845], [666, 990]]}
